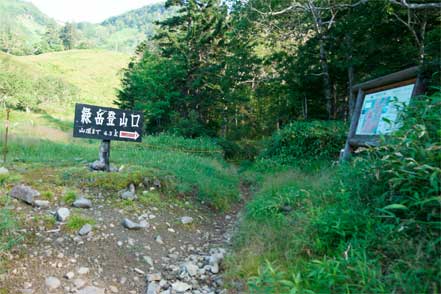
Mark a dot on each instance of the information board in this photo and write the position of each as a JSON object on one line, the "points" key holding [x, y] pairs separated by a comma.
{"points": [[380, 110], [109, 124]]}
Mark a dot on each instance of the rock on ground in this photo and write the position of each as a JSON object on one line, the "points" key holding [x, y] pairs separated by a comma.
{"points": [[62, 214], [41, 203], [186, 220], [82, 203], [91, 290], [153, 288], [52, 283], [181, 286], [86, 229], [128, 195], [134, 226], [24, 193]]}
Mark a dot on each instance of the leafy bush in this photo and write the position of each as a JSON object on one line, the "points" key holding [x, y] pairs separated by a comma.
{"points": [[370, 226], [307, 140]]}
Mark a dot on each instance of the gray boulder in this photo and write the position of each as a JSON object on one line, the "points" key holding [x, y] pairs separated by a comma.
{"points": [[4, 171], [62, 214], [86, 229], [82, 203], [52, 283], [181, 287], [41, 203], [153, 288], [186, 220], [128, 195], [98, 165], [131, 225], [24, 193]]}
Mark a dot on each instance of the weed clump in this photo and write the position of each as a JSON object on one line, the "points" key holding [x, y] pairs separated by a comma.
{"points": [[76, 222]]}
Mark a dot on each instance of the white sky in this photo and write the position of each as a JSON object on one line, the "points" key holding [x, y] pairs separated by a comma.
{"points": [[87, 10]]}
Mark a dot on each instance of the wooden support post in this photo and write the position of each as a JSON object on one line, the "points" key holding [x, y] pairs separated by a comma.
{"points": [[5, 146], [104, 154], [355, 117]]}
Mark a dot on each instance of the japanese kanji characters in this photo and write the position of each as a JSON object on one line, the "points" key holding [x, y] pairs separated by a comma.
{"points": [[135, 120], [85, 115], [109, 118]]}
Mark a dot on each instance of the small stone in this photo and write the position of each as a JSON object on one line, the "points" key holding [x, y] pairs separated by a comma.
{"points": [[79, 283], [153, 288], [83, 270], [158, 240], [98, 165], [128, 195], [137, 270], [186, 220], [215, 268], [24, 193], [86, 229], [148, 260], [69, 275], [82, 203], [154, 277], [191, 268], [113, 289], [41, 203], [131, 225], [91, 290], [181, 286], [157, 183], [52, 283], [62, 214]]}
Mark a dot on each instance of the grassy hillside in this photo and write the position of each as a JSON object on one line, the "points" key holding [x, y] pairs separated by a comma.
{"points": [[53, 82], [21, 26], [94, 72], [25, 30]]}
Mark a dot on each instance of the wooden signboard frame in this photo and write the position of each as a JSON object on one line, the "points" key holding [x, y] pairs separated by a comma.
{"points": [[394, 80]]}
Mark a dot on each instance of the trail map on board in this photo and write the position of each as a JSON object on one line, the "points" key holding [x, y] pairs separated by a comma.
{"points": [[380, 110]]}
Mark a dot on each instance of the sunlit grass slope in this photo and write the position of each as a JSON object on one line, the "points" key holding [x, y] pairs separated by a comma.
{"points": [[96, 73]]}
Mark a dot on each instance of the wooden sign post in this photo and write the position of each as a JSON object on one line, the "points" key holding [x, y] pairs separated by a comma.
{"points": [[107, 124], [377, 108]]}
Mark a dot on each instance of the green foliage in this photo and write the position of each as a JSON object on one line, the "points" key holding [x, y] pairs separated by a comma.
{"points": [[304, 140], [69, 36], [215, 69], [187, 172], [53, 82], [369, 226], [190, 84], [69, 197], [9, 234], [22, 26], [76, 222], [47, 195], [25, 30]]}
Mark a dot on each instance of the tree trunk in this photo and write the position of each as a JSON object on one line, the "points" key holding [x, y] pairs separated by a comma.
{"points": [[327, 91], [350, 93]]}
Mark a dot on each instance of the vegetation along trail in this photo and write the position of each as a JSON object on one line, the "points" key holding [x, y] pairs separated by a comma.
{"points": [[288, 147]]}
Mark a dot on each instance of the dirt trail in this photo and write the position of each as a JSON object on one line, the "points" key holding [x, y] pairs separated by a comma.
{"points": [[113, 259]]}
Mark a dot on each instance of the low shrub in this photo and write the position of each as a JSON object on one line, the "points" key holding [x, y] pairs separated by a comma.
{"points": [[306, 140], [371, 226]]}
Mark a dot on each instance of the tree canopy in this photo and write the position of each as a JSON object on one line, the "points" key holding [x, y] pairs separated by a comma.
{"points": [[245, 68]]}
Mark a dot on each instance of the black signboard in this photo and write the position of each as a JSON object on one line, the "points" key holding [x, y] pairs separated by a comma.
{"points": [[108, 124]]}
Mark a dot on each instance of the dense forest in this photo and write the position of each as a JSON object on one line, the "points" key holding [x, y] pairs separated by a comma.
{"points": [[242, 69]]}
